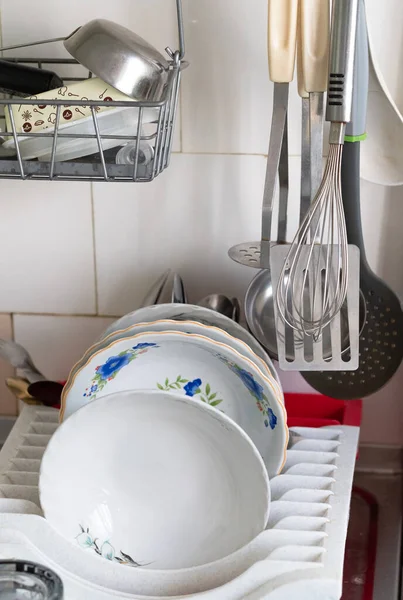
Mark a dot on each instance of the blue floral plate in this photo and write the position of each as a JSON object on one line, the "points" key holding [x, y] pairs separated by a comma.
{"points": [[195, 366], [215, 333]]}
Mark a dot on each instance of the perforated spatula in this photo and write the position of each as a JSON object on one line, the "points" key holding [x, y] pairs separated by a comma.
{"points": [[381, 339]]}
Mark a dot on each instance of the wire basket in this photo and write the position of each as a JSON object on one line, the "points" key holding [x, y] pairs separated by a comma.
{"points": [[145, 136]]}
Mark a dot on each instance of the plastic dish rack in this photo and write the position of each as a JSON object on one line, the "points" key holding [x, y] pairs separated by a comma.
{"points": [[299, 556], [100, 166]]}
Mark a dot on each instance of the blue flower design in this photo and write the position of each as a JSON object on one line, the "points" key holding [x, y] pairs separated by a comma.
{"points": [[272, 418], [94, 388], [113, 364], [253, 386], [107, 551], [142, 345], [192, 386], [85, 540]]}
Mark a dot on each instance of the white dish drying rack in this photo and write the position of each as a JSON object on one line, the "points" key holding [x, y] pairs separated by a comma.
{"points": [[299, 556]]}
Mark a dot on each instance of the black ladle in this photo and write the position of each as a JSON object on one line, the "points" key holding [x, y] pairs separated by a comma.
{"points": [[381, 340]]}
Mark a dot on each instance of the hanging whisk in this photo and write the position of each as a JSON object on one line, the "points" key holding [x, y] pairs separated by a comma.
{"points": [[313, 282]]}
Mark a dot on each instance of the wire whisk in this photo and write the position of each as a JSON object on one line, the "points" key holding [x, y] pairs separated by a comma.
{"points": [[313, 282]]}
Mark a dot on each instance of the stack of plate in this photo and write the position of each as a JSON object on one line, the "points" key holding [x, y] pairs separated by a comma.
{"points": [[173, 423], [193, 351]]}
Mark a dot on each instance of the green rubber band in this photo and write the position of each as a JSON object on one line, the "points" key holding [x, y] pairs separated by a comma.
{"points": [[355, 138]]}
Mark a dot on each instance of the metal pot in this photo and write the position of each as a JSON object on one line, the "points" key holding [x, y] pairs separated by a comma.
{"points": [[120, 57]]}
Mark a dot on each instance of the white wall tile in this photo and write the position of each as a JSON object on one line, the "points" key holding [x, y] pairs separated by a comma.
{"points": [[186, 219], [227, 96], [8, 402], [46, 253], [22, 22], [57, 343], [382, 421]]}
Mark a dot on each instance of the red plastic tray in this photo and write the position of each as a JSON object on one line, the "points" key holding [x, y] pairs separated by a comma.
{"points": [[316, 410]]}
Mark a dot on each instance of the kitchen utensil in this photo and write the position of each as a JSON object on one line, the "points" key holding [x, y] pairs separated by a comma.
{"points": [[154, 293], [282, 35], [259, 299], [314, 34], [191, 312], [305, 191], [20, 359], [219, 303], [214, 333], [23, 80], [19, 387], [317, 271], [119, 57], [178, 294], [148, 519], [196, 366], [47, 392], [381, 342], [24, 580]]}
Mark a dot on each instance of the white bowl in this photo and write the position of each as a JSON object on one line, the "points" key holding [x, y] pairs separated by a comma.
{"points": [[214, 333], [195, 366], [191, 312], [155, 480]]}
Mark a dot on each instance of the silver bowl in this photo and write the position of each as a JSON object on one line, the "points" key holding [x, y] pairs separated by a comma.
{"points": [[121, 58]]}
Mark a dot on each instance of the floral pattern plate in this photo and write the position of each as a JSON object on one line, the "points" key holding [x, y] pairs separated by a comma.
{"points": [[214, 333], [196, 367]]}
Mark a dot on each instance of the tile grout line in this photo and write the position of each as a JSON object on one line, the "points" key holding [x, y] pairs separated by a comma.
{"points": [[231, 153], [94, 250], [64, 315]]}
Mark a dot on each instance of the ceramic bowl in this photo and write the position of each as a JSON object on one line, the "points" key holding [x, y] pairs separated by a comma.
{"points": [[191, 312], [155, 480], [195, 366], [214, 333]]}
